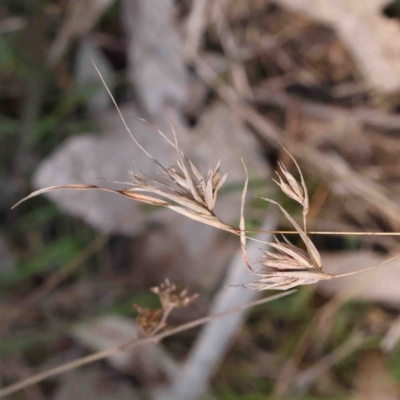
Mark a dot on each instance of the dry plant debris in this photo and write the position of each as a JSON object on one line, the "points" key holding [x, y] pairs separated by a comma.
{"points": [[171, 297], [148, 319], [151, 321]]}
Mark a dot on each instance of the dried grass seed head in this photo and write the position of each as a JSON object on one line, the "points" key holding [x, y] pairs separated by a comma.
{"points": [[171, 296], [284, 280], [200, 187], [286, 268], [189, 192], [313, 254], [289, 266], [292, 188], [186, 190], [147, 319], [288, 256]]}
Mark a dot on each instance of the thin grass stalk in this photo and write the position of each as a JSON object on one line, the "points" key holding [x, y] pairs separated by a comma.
{"points": [[130, 345]]}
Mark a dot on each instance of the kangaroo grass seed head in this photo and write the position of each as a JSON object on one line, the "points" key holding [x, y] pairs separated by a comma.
{"points": [[288, 256], [184, 190], [298, 192], [286, 268], [187, 191], [200, 187], [289, 266], [284, 280]]}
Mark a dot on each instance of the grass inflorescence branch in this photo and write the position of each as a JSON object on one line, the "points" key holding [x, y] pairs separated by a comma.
{"points": [[190, 191]]}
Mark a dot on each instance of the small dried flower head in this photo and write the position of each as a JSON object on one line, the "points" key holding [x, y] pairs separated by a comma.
{"points": [[148, 319], [293, 189], [171, 297]]}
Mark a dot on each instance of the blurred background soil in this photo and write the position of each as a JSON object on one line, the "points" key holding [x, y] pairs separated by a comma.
{"points": [[237, 79]]}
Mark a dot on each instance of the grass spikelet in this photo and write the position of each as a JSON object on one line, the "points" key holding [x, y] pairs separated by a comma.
{"points": [[186, 190], [291, 266]]}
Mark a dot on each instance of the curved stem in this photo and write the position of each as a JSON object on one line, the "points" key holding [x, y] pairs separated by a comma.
{"points": [[354, 233], [368, 268], [134, 343]]}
